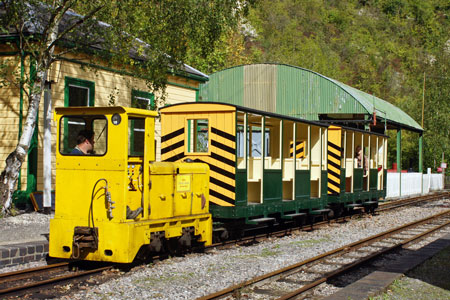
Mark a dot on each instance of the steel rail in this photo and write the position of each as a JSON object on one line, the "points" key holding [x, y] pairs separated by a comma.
{"points": [[346, 248], [7, 277], [408, 201], [23, 274], [345, 268], [258, 237], [52, 280]]}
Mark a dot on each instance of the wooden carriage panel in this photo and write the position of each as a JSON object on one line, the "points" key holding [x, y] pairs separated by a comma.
{"points": [[334, 160], [176, 137]]}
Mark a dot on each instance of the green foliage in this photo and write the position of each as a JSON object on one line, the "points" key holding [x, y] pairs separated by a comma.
{"points": [[153, 37], [382, 47], [229, 51]]}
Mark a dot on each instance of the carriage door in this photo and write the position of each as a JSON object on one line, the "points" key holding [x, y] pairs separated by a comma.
{"points": [[222, 158], [241, 158], [271, 134]]}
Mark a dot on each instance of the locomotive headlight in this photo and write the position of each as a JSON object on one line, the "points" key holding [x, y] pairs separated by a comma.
{"points": [[116, 119]]}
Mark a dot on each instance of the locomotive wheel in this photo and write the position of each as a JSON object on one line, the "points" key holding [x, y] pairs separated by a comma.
{"points": [[173, 247], [220, 235]]}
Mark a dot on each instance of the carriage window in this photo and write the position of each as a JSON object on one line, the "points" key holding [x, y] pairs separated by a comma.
{"points": [[198, 136], [136, 134], [240, 141], [83, 136]]}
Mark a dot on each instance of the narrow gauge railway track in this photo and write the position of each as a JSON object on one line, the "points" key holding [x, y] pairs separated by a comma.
{"points": [[308, 227], [410, 201], [35, 280], [294, 281]]}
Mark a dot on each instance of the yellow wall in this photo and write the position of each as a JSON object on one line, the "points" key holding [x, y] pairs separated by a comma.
{"points": [[107, 83], [10, 111]]}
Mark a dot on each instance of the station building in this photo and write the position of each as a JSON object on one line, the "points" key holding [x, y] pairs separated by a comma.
{"points": [[74, 80]]}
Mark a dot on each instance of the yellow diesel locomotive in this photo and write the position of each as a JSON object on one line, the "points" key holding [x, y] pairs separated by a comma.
{"points": [[113, 200]]}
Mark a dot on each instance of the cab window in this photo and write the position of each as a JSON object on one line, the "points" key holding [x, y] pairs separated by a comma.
{"points": [[73, 138], [136, 136]]}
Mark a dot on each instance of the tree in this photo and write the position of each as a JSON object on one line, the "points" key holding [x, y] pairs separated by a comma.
{"points": [[381, 47], [152, 37]]}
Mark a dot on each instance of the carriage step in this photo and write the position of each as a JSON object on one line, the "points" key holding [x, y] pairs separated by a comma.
{"points": [[354, 205], [320, 211], [260, 220], [293, 216], [370, 202]]}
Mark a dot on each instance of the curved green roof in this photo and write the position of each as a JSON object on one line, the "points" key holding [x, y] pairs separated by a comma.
{"points": [[297, 92]]}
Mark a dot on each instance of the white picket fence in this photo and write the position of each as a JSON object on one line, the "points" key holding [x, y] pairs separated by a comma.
{"points": [[412, 184]]}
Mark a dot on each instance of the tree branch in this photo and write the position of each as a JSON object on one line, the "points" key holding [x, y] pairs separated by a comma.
{"points": [[55, 15], [76, 24]]}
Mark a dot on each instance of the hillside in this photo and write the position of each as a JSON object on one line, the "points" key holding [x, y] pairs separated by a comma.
{"points": [[383, 47]]}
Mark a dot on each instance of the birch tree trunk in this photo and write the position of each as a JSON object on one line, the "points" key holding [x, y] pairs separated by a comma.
{"points": [[14, 161], [16, 158]]}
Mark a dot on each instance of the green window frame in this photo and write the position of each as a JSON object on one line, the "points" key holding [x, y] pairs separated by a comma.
{"points": [[198, 136], [78, 83], [143, 100], [138, 97]]}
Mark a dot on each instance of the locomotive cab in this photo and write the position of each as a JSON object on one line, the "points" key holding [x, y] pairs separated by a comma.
{"points": [[112, 198]]}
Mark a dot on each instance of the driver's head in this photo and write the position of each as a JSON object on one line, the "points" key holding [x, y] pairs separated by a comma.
{"points": [[85, 140]]}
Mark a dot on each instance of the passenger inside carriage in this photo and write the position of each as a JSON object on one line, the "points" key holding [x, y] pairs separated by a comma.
{"points": [[362, 160]]}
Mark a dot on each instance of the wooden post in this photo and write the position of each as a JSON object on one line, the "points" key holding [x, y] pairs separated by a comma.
{"points": [[47, 147], [421, 153], [399, 160]]}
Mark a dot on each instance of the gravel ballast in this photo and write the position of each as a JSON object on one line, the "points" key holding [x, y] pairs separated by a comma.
{"points": [[196, 275]]}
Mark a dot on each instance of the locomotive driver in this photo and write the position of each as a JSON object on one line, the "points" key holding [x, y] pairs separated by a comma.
{"points": [[85, 143]]}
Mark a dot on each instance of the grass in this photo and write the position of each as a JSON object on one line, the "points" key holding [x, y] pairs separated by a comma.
{"points": [[430, 280], [267, 252], [164, 279], [264, 253], [310, 243], [216, 268]]}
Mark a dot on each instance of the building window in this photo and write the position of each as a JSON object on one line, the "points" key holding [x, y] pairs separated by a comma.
{"points": [[78, 92], [144, 100], [136, 126]]}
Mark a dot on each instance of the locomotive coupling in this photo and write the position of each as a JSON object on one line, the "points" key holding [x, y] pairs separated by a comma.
{"points": [[84, 239]]}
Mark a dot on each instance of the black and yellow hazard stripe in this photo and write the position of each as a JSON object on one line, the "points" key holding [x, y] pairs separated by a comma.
{"points": [[334, 160], [172, 145], [221, 162], [299, 149]]}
